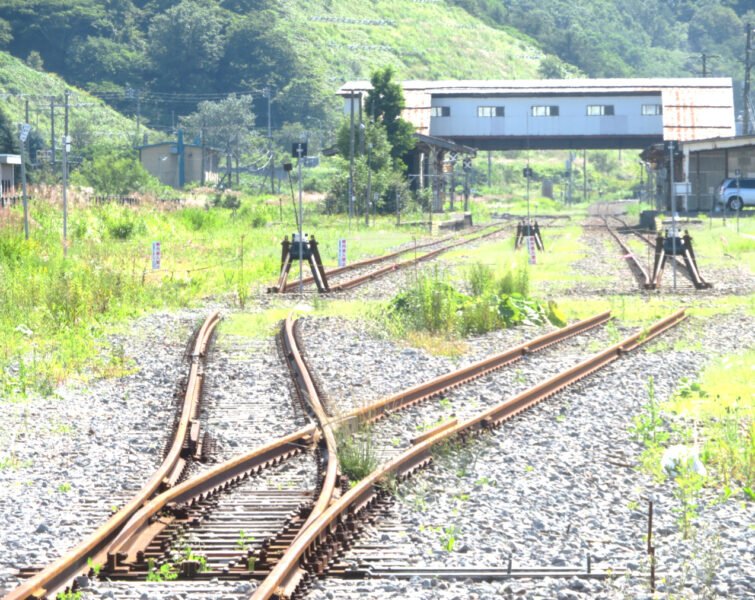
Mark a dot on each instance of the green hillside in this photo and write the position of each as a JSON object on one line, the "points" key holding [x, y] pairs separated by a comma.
{"points": [[421, 40], [91, 120]]}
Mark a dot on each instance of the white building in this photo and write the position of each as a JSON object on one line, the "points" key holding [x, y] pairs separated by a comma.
{"points": [[565, 113]]}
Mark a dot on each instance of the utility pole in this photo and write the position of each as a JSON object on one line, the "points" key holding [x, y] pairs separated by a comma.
{"points": [[489, 167], [351, 159], [65, 176], [138, 113], [299, 151], [52, 131], [746, 103], [361, 127], [369, 188], [584, 175], [266, 93], [26, 111], [23, 133]]}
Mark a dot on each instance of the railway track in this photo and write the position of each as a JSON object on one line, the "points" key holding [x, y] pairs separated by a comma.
{"points": [[127, 542], [336, 529], [647, 281], [344, 284], [283, 533], [185, 445]]}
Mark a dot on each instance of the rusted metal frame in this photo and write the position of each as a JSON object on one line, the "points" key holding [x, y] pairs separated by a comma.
{"points": [[357, 281], [688, 273], [59, 575], [634, 264], [287, 572], [475, 370], [369, 261]]}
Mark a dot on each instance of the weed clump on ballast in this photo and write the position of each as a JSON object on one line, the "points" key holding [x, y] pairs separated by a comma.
{"points": [[433, 303]]}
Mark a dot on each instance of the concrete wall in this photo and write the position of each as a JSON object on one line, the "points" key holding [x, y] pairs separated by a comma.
{"points": [[162, 162]]}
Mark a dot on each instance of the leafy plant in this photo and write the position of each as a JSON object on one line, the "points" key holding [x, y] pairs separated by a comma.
{"points": [[648, 425], [69, 595], [689, 483], [164, 573]]}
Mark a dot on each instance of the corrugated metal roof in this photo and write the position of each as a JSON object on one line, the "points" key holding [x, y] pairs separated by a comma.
{"points": [[693, 108]]}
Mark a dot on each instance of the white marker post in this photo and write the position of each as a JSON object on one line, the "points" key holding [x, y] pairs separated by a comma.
{"points": [[22, 135], [341, 252], [156, 256], [532, 248]]}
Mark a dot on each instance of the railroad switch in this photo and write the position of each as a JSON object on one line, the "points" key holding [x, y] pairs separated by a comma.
{"points": [[524, 230], [304, 249], [669, 246]]}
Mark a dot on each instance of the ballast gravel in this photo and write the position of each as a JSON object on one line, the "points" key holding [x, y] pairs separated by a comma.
{"points": [[555, 486]]}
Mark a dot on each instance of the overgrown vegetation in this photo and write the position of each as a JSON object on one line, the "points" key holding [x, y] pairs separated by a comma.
{"points": [[433, 304], [357, 455]]}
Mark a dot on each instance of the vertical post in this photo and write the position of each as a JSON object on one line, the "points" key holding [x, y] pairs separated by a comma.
{"points": [[369, 187], [65, 178], [398, 209], [746, 103], [528, 193], [651, 549], [489, 167], [26, 110], [672, 145], [201, 139], [361, 127], [351, 158], [584, 175], [52, 132], [301, 217], [23, 183], [138, 113], [267, 94]]}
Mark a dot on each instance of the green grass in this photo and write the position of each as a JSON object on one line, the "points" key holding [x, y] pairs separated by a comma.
{"points": [[58, 308], [455, 46], [17, 78]]}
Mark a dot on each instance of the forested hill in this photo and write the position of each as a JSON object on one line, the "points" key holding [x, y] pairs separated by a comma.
{"points": [[302, 51], [631, 38], [153, 50]]}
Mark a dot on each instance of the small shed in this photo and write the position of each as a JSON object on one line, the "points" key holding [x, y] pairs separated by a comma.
{"points": [[8, 164], [177, 163], [708, 162]]}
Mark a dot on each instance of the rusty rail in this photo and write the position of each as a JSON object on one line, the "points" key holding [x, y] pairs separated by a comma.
{"points": [[456, 378], [307, 389], [59, 575], [637, 269], [364, 262], [142, 527], [357, 281], [312, 550]]}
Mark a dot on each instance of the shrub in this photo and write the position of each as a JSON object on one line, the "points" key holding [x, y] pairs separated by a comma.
{"points": [[197, 218], [479, 278]]}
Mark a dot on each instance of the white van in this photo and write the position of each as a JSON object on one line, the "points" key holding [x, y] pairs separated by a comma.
{"points": [[737, 193]]}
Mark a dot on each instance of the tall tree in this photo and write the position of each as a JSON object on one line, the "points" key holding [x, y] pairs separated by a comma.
{"points": [[222, 122], [385, 101], [186, 44]]}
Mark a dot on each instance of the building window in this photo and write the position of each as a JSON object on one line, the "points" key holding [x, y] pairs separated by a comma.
{"points": [[545, 111], [440, 111], [490, 111], [600, 110], [652, 109]]}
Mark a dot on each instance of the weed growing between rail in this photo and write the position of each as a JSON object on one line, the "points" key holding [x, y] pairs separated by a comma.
{"points": [[433, 304], [357, 454]]}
